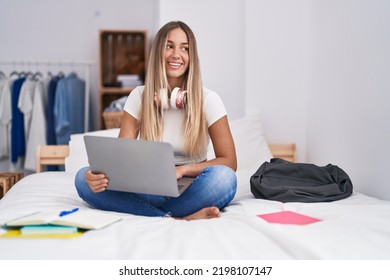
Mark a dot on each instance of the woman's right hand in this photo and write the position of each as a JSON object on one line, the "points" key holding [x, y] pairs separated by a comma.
{"points": [[97, 182]]}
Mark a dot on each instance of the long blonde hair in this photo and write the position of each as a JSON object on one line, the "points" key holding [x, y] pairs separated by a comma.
{"points": [[151, 117]]}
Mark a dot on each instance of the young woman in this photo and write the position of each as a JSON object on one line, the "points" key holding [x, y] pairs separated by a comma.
{"points": [[174, 107]]}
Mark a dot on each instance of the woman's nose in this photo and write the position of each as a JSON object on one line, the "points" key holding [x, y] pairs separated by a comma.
{"points": [[175, 53]]}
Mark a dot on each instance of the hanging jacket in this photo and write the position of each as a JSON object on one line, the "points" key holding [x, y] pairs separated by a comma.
{"points": [[69, 108]]}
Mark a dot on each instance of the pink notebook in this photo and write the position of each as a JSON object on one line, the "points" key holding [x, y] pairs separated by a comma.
{"points": [[288, 217]]}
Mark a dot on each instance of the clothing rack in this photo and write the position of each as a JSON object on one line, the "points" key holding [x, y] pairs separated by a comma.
{"points": [[85, 64]]}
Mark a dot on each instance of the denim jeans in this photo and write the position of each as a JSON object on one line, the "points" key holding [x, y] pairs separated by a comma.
{"points": [[214, 186]]}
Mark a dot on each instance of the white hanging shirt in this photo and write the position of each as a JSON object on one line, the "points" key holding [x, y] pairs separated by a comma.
{"points": [[37, 134], [25, 103]]}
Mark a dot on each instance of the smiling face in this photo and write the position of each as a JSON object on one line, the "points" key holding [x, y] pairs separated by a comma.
{"points": [[176, 57]]}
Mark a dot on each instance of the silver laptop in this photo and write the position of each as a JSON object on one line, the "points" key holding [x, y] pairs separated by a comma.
{"points": [[137, 166]]}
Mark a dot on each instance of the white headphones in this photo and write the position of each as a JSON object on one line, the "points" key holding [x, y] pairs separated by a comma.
{"points": [[178, 99]]}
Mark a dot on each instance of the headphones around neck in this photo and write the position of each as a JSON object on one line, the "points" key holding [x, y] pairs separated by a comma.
{"points": [[178, 99]]}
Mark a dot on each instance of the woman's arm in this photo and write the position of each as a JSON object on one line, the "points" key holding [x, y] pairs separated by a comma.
{"points": [[225, 152], [129, 127]]}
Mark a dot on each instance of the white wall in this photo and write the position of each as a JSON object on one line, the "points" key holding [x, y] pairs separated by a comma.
{"points": [[254, 54], [68, 31], [276, 68], [219, 29], [318, 73], [349, 90]]}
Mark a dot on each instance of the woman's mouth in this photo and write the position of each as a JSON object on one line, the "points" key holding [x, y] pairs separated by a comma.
{"points": [[174, 65]]}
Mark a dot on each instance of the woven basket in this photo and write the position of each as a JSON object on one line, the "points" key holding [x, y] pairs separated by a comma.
{"points": [[112, 119]]}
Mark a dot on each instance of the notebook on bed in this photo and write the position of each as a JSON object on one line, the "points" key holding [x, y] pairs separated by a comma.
{"points": [[135, 165]]}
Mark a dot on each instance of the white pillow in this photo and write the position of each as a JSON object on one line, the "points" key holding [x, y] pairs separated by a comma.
{"points": [[252, 150], [251, 146], [77, 154]]}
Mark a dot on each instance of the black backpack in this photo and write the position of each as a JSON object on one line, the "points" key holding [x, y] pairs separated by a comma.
{"points": [[285, 181]]}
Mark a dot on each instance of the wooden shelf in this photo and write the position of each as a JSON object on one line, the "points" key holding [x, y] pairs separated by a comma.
{"points": [[114, 90], [122, 52]]}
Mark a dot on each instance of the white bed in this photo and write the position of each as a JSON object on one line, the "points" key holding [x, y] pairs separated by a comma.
{"points": [[354, 228]]}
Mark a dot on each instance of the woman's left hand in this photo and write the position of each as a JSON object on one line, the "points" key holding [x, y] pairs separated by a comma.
{"points": [[179, 171]]}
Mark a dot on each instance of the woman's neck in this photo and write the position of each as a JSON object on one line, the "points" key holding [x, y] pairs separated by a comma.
{"points": [[175, 82]]}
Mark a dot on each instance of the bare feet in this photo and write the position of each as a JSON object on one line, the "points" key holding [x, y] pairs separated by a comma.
{"points": [[205, 213]]}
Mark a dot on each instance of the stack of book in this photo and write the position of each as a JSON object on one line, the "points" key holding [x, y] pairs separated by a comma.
{"points": [[129, 81], [62, 224]]}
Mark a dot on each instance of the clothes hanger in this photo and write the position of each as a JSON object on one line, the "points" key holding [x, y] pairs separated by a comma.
{"points": [[28, 74], [36, 75], [60, 74], [14, 73]]}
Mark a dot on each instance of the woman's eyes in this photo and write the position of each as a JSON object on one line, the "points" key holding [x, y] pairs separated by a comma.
{"points": [[183, 49]]}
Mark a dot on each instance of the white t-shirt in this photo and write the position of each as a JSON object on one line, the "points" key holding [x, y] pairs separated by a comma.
{"points": [[37, 134], [172, 131]]}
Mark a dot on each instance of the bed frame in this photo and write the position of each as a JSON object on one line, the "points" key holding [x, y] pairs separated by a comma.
{"points": [[51, 155], [284, 151], [56, 154]]}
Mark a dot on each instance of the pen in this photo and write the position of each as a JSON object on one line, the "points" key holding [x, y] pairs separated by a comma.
{"points": [[67, 212]]}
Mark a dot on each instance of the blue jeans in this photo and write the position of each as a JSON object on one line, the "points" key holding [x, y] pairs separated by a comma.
{"points": [[214, 186]]}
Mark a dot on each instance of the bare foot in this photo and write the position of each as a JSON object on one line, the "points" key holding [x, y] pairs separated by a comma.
{"points": [[205, 213]]}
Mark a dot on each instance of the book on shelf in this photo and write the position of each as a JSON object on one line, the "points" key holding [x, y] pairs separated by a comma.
{"points": [[83, 219]]}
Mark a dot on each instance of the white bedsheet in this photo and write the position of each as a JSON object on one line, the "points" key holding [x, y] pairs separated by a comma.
{"points": [[354, 228]]}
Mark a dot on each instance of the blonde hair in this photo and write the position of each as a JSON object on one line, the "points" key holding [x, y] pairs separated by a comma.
{"points": [[151, 117]]}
